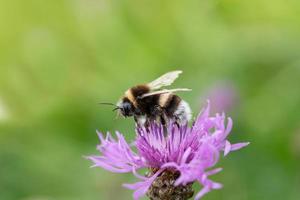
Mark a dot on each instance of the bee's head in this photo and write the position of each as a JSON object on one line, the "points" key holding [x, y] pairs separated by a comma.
{"points": [[126, 108]]}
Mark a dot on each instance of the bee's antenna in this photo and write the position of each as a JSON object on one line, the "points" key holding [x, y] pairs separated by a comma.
{"points": [[116, 108], [110, 104]]}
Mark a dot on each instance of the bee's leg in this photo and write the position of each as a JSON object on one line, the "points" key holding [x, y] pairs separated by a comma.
{"points": [[140, 120], [157, 110], [177, 121], [137, 121], [162, 120], [156, 113], [147, 124], [164, 123]]}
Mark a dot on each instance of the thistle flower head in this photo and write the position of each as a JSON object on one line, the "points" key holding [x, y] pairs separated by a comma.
{"points": [[180, 153]]}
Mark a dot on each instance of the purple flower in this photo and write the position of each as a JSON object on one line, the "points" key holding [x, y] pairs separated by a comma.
{"points": [[191, 151], [223, 95]]}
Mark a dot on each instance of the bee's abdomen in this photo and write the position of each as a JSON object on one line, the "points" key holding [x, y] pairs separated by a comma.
{"points": [[148, 104], [171, 104]]}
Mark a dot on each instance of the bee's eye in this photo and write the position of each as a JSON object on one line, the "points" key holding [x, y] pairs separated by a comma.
{"points": [[128, 107]]}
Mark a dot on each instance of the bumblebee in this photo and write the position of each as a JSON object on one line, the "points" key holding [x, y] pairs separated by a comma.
{"points": [[146, 103]]}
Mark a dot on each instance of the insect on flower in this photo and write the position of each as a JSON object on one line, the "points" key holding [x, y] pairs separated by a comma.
{"points": [[147, 104], [175, 157]]}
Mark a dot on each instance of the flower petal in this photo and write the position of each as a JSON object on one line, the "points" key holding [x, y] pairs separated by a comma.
{"points": [[238, 146], [227, 147], [142, 187], [117, 155]]}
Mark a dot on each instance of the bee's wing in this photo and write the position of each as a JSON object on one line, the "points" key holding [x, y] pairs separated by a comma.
{"points": [[164, 80], [165, 91]]}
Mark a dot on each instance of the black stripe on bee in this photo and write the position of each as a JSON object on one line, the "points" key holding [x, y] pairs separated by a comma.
{"points": [[139, 90], [148, 104], [172, 105]]}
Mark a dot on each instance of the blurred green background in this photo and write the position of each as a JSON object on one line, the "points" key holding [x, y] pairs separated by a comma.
{"points": [[59, 58]]}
